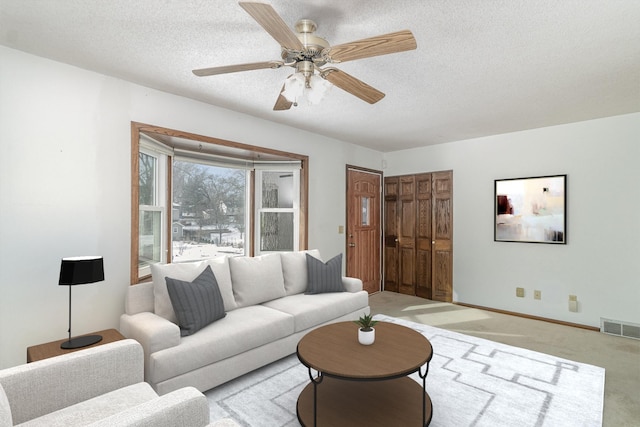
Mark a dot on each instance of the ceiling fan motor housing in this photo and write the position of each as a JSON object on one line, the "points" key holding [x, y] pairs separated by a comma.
{"points": [[313, 45]]}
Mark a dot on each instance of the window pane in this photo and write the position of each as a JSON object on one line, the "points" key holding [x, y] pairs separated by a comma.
{"points": [[365, 210], [208, 212], [149, 238], [276, 231], [277, 189], [147, 178]]}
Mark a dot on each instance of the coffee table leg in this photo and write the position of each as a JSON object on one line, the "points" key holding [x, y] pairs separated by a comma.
{"points": [[315, 380], [424, 391]]}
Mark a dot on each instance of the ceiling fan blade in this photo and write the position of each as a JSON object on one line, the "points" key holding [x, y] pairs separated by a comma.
{"points": [[399, 41], [273, 24], [352, 85], [235, 68], [282, 103]]}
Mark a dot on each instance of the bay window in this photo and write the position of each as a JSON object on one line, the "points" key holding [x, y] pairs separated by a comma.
{"points": [[197, 197]]}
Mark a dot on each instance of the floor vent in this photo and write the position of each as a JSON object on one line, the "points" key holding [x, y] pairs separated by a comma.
{"points": [[617, 327]]}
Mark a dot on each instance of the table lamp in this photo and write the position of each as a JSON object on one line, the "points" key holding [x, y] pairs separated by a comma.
{"points": [[78, 271]]}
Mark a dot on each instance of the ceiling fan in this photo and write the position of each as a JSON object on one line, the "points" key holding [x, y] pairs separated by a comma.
{"points": [[307, 53]]}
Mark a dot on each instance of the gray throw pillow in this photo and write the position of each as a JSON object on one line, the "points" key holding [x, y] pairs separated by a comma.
{"points": [[324, 277], [197, 303]]}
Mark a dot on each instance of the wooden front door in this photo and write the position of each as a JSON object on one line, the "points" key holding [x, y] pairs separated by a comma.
{"points": [[418, 229], [363, 227]]}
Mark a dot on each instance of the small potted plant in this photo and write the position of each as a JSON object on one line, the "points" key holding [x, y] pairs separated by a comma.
{"points": [[366, 332]]}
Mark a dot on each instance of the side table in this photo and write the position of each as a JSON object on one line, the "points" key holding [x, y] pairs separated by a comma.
{"points": [[51, 349]]}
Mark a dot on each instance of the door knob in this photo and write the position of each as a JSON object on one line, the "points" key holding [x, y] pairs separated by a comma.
{"points": [[353, 245]]}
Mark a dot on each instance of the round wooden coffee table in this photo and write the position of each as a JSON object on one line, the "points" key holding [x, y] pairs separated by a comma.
{"points": [[355, 384]]}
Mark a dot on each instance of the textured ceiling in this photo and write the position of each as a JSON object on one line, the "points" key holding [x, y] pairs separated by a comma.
{"points": [[482, 67]]}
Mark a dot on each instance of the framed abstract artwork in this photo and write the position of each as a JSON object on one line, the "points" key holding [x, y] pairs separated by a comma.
{"points": [[531, 210]]}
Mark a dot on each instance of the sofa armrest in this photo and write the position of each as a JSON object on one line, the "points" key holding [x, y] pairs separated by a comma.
{"points": [[352, 284], [184, 407], [45, 386], [153, 332]]}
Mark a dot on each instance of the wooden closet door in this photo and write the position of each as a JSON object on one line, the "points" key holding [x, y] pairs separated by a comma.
{"points": [[419, 235], [391, 234], [424, 275], [442, 244], [407, 235]]}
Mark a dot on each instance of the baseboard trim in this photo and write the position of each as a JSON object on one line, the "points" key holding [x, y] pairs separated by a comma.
{"points": [[528, 316]]}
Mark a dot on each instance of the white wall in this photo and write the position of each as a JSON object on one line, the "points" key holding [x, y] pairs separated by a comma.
{"points": [[65, 188], [601, 261]]}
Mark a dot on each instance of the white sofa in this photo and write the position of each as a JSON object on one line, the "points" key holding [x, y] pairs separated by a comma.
{"points": [[267, 312], [99, 386]]}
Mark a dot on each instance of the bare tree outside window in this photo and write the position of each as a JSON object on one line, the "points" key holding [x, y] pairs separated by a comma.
{"points": [[147, 177], [208, 211]]}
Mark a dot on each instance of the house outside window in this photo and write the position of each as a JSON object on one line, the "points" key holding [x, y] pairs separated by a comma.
{"points": [[209, 202]]}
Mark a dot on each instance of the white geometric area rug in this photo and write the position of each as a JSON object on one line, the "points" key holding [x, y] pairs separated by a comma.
{"points": [[471, 382]]}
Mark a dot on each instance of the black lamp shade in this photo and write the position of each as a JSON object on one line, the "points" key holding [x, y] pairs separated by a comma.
{"points": [[78, 271], [81, 270]]}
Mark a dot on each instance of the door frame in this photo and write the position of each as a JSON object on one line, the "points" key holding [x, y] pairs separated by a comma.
{"points": [[380, 174]]}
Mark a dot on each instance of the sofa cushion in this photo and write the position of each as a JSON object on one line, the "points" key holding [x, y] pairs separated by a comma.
{"points": [[240, 330], [95, 409], [256, 279], [186, 271], [294, 270], [196, 303], [324, 277], [312, 310]]}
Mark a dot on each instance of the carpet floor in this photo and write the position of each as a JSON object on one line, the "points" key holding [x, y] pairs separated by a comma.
{"points": [[471, 382]]}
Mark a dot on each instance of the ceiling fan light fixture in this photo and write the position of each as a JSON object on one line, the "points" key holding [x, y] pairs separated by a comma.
{"points": [[297, 86], [294, 87], [319, 87]]}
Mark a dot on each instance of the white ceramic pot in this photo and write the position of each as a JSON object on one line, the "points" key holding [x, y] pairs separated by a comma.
{"points": [[366, 337]]}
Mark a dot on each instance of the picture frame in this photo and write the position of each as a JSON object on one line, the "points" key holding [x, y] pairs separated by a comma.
{"points": [[531, 210]]}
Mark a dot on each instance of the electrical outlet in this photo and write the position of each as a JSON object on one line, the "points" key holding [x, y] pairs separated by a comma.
{"points": [[520, 292], [573, 303], [537, 294]]}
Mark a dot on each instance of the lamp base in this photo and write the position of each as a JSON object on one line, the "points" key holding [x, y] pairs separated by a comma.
{"points": [[83, 341]]}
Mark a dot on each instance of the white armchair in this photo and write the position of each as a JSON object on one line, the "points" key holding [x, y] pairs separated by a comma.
{"points": [[98, 386]]}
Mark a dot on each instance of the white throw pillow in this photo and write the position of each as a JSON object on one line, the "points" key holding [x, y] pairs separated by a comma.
{"points": [[220, 267], [294, 270], [182, 271], [256, 280], [188, 271]]}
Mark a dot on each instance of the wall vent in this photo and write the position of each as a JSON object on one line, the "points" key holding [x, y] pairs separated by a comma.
{"points": [[617, 327]]}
